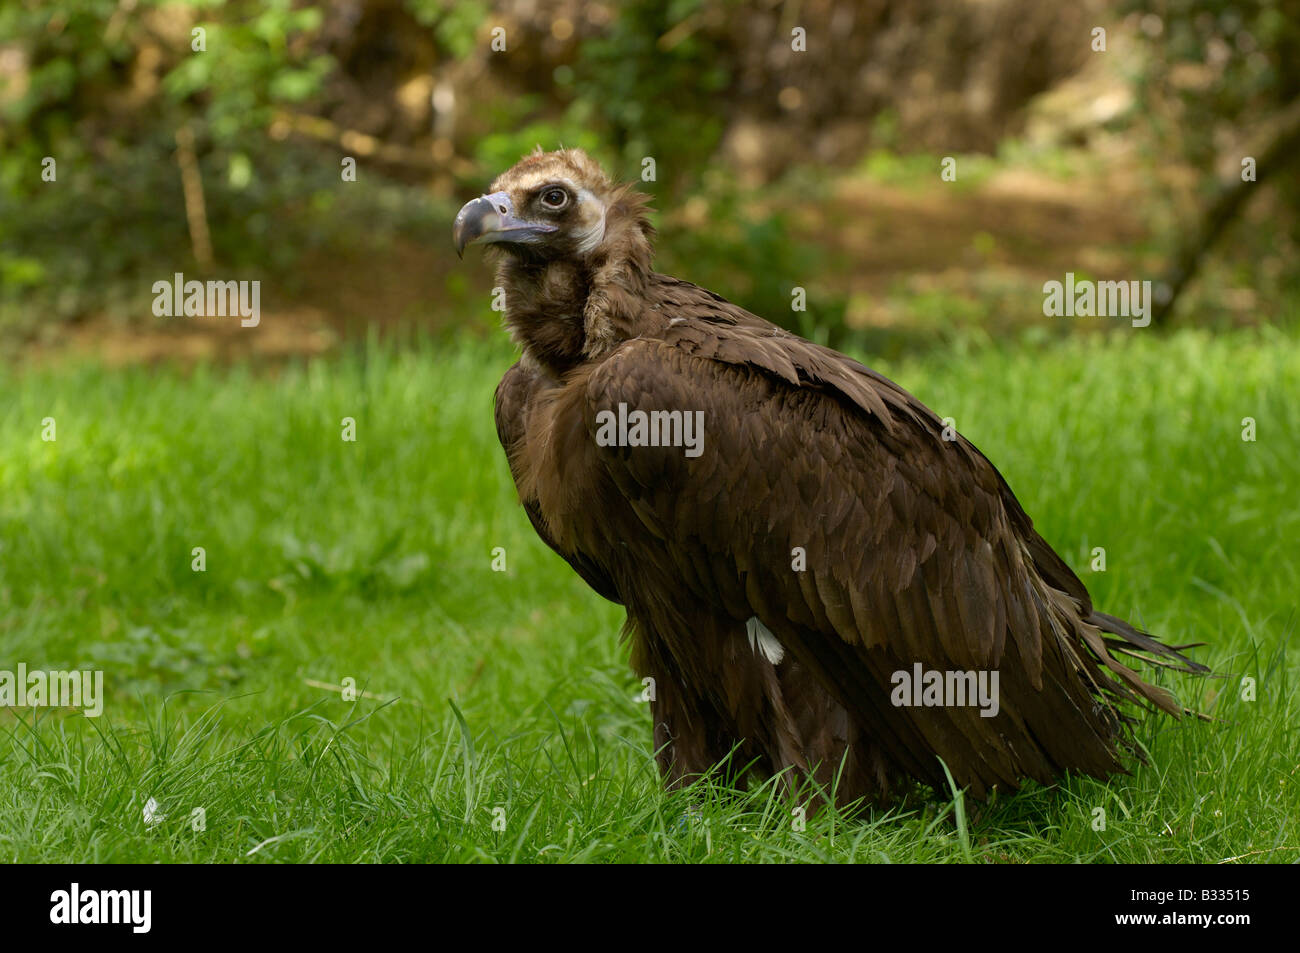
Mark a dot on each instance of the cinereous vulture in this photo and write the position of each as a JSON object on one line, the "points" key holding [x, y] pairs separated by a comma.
{"points": [[816, 580]]}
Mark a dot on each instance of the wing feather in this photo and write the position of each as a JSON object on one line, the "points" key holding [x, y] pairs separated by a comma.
{"points": [[916, 551]]}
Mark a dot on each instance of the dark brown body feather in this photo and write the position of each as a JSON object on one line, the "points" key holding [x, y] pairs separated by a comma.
{"points": [[916, 549]]}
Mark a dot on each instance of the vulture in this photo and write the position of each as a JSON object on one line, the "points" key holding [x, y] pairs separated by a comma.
{"points": [[821, 581]]}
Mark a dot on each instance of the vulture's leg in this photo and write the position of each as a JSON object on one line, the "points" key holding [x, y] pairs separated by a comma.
{"points": [[693, 732], [728, 689], [841, 758]]}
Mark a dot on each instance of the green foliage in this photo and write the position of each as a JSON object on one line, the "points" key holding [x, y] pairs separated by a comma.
{"points": [[103, 88], [626, 96], [501, 150], [1239, 61], [114, 218], [1216, 76], [456, 23], [652, 98], [918, 170], [255, 67]]}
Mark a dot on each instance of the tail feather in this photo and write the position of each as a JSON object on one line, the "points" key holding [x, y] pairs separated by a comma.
{"points": [[1135, 643], [1144, 642]]}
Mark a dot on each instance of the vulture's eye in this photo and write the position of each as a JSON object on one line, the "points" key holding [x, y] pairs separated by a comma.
{"points": [[555, 198]]}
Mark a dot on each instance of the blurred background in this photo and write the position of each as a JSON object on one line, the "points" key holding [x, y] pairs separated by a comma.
{"points": [[210, 138]]}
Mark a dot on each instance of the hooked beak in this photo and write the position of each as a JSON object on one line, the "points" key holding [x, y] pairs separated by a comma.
{"points": [[491, 218]]}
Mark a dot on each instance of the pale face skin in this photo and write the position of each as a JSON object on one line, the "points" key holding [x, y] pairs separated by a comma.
{"points": [[542, 208]]}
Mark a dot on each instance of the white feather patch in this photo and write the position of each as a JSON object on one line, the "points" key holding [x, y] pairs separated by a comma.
{"points": [[763, 642], [594, 233]]}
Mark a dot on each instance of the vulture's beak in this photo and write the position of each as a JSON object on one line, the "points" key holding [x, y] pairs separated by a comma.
{"points": [[491, 218]]}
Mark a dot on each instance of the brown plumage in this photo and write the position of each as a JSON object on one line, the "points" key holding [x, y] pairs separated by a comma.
{"points": [[914, 549]]}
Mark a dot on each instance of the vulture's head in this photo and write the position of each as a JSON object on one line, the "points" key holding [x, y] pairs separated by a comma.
{"points": [[573, 251], [551, 206]]}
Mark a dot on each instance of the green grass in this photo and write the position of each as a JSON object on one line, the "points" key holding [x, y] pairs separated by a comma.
{"points": [[371, 560]]}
